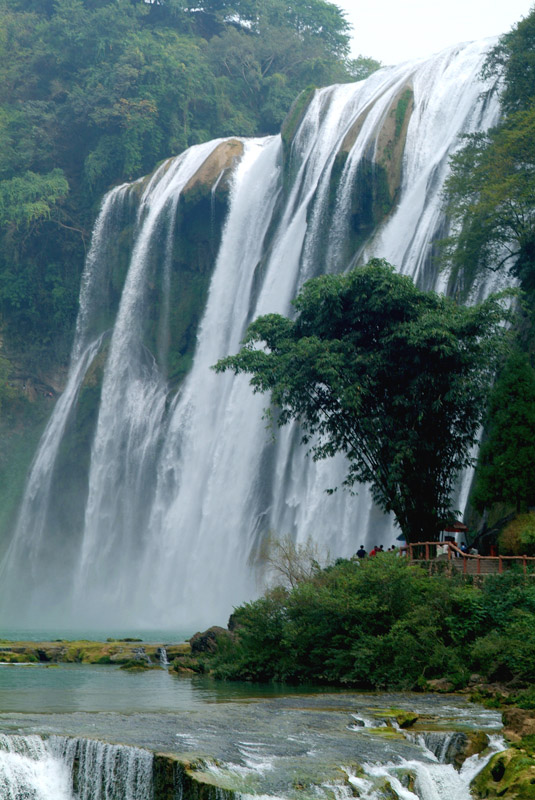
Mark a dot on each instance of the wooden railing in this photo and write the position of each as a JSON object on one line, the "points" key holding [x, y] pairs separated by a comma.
{"points": [[471, 563]]}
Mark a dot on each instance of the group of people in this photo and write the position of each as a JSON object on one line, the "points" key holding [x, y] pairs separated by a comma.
{"points": [[361, 552]]}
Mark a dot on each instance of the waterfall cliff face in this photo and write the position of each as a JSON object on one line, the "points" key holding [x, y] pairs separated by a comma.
{"points": [[156, 480]]}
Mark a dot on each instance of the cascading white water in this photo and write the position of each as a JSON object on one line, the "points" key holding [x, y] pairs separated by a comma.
{"points": [[432, 778], [28, 545], [102, 771], [29, 770], [182, 491], [64, 768], [133, 402], [60, 768]]}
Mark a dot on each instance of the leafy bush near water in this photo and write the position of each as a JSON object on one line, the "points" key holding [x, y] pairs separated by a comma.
{"points": [[385, 624]]}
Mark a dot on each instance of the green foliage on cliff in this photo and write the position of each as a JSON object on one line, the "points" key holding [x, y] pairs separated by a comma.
{"points": [[382, 623], [491, 190], [393, 377], [94, 92], [491, 195], [506, 469]]}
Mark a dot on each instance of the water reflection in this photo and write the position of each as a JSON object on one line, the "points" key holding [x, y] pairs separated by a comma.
{"points": [[66, 688]]}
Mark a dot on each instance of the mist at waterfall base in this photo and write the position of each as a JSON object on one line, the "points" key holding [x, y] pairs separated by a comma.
{"points": [[181, 489]]}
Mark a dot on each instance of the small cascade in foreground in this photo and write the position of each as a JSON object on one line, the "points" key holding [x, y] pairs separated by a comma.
{"points": [[426, 779], [29, 771], [443, 746], [101, 771], [63, 768], [60, 768], [158, 516]]}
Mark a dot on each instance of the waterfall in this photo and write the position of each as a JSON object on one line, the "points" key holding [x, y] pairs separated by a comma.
{"points": [[182, 486], [430, 780], [164, 661], [443, 746], [60, 768], [29, 770], [29, 545], [101, 771], [64, 768]]}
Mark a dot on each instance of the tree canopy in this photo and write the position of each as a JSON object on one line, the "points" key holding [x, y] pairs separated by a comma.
{"points": [[393, 377], [383, 624], [95, 92]]}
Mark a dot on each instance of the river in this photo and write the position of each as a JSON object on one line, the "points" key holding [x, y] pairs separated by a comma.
{"points": [[61, 724]]}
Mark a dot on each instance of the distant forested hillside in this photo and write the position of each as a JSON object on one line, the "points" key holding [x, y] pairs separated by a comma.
{"points": [[96, 92]]}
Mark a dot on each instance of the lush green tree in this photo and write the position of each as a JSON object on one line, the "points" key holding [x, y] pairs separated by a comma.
{"points": [[513, 60], [393, 377], [29, 198], [506, 469], [362, 67]]}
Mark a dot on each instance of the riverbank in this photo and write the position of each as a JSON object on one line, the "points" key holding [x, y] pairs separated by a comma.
{"points": [[84, 651]]}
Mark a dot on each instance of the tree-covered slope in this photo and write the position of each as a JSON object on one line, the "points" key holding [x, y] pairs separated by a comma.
{"points": [[94, 93], [491, 195]]}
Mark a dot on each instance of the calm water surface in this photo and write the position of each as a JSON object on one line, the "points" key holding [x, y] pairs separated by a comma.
{"points": [[67, 688]]}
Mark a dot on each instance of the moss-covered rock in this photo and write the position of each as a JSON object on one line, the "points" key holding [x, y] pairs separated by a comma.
{"points": [[137, 665], [178, 287], [509, 775], [391, 139], [295, 116], [175, 779], [208, 641], [475, 742], [90, 652], [403, 718]]}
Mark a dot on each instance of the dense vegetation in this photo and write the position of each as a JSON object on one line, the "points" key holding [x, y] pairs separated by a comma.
{"points": [[393, 377], [507, 459], [492, 185], [491, 196], [382, 623], [95, 92]]}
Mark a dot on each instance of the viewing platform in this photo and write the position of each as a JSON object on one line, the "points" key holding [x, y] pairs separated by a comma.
{"points": [[465, 563]]}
